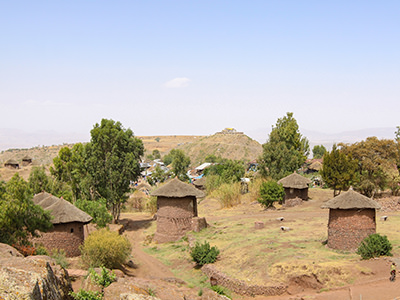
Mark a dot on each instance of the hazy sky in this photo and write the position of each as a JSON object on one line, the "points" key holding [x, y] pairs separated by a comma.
{"points": [[196, 67]]}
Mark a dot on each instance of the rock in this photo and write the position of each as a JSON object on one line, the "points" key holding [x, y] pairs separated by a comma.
{"points": [[35, 278], [8, 251], [136, 297], [280, 219], [211, 295], [284, 228]]}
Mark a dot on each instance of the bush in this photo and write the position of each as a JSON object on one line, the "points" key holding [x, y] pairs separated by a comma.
{"points": [[228, 195], [270, 192], [86, 295], [105, 278], [204, 254], [97, 210], [374, 245], [104, 248]]}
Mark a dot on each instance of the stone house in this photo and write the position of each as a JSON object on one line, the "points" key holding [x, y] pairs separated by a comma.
{"points": [[69, 222], [352, 217], [12, 164], [177, 210], [296, 186]]}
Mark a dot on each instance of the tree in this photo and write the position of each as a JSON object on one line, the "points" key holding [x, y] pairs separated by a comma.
{"points": [[338, 170], [38, 180], [228, 170], [271, 192], [318, 151], [286, 149], [112, 161], [156, 154], [376, 163], [20, 218], [180, 163], [158, 176]]}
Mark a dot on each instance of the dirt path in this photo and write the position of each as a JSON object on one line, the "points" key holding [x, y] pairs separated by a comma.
{"points": [[145, 266]]}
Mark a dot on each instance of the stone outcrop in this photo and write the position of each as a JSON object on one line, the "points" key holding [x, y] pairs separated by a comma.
{"points": [[34, 277]]}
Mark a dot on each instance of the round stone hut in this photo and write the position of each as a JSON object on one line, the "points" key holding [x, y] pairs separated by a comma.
{"points": [[68, 224], [352, 217], [296, 186], [177, 211], [11, 164]]}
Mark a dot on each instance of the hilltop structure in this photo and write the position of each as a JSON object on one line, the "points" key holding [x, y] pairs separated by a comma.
{"points": [[68, 224], [229, 131], [352, 218], [177, 211]]}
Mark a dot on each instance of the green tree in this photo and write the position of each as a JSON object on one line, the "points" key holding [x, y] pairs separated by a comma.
{"points": [[158, 176], [376, 160], [69, 167], [156, 154], [285, 150], [20, 218], [97, 210], [338, 170], [228, 170], [38, 180], [318, 151], [113, 161], [271, 192], [180, 163]]}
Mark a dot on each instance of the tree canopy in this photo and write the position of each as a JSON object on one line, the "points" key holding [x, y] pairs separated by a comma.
{"points": [[285, 150], [318, 151]]}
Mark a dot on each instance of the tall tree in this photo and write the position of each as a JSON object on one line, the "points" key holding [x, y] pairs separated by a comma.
{"points": [[38, 180], [338, 170], [285, 150], [113, 161], [180, 165]]}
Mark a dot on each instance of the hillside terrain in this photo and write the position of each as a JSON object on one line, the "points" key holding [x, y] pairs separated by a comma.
{"points": [[233, 146]]}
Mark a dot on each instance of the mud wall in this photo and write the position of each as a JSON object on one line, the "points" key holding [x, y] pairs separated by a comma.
{"points": [[63, 236], [239, 286], [348, 227], [174, 218], [291, 193]]}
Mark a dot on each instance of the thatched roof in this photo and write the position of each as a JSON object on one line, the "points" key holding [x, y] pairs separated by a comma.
{"points": [[200, 182], [11, 162], [316, 165], [26, 157], [295, 181], [351, 200], [177, 189], [61, 210]]}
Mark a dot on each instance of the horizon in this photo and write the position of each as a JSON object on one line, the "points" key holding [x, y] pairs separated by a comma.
{"points": [[192, 68]]}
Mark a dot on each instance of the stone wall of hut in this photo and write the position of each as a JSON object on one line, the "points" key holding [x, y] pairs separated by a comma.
{"points": [[174, 218], [291, 193], [67, 236], [348, 227]]}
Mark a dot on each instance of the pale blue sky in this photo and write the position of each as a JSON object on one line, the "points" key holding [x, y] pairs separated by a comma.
{"points": [[196, 67]]}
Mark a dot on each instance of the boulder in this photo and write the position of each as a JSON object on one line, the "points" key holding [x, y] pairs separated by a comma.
{"points": [[35, 278]]}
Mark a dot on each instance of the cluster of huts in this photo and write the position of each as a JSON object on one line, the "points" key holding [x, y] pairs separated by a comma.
{"points": [[13, 164], [352, 216]]}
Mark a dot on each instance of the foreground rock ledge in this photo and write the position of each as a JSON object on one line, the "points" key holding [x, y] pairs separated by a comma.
{"points": [[33, 278]]}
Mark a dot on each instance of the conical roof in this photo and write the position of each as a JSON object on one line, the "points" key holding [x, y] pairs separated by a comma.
{"points": [[177, 189], [200, 182], [61, 210], [295, 181], [11, 162], [351, 200], [316, 165]]}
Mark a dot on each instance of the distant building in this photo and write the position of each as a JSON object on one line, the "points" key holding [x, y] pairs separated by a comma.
{"points": [[11, 164], [296, 186], [352, 217], [177, 211], [68, 224], [26, 161]]}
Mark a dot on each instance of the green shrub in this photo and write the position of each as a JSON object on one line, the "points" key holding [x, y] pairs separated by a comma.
{"points": [[270, 192], [60, 258], [151, 205], [221, 291], [105, 278], [86, 295], [105, 248], [204, 254], [41, 250], [374, 245], [97, 210]]}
